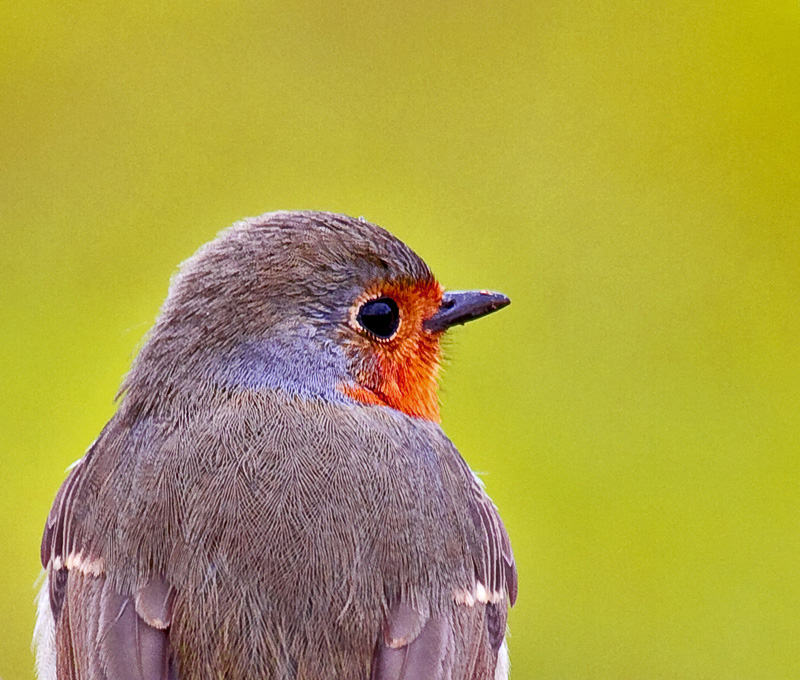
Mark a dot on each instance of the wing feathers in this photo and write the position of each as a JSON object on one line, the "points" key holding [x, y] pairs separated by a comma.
{"points": [[129, 648], [494, 562], [413, 647], [100, 636], [99, 633], [388, 663], [431, 654], [154, 604]]}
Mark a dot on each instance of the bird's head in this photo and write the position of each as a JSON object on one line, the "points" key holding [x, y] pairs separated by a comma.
{"points": [[315, 304]]}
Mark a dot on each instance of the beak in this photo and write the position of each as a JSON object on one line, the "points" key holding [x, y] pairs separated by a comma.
{"points": [[460, 306]]}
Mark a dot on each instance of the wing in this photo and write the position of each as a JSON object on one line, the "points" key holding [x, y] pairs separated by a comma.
{"points": [[466, 641], [494, 560], [86, 629]]}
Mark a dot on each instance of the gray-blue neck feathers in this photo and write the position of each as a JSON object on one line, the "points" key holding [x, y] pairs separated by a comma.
{"points": [[304, 366]]}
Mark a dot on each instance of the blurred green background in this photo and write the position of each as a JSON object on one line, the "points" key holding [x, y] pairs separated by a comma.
{"points": [[628, 172]]}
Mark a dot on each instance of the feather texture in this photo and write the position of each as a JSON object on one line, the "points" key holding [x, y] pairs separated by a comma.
{"points": [[241, 517]]}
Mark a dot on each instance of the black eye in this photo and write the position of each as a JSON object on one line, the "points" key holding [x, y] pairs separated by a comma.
{"points": [[380, 317]]}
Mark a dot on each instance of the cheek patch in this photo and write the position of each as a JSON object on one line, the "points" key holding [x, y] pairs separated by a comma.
{"points": [[402, 372]]}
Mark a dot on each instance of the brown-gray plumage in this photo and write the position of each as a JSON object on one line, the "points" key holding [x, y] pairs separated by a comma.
{"points": [[249, 513]]}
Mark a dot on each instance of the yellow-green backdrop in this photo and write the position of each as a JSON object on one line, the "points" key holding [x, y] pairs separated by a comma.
{"points": [[628, 172]]}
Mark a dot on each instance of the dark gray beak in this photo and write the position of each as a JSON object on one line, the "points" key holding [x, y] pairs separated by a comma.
{"points": [[460, 306]]}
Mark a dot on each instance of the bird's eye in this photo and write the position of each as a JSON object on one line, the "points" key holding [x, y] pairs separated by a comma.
{"points": [[380, 317]]}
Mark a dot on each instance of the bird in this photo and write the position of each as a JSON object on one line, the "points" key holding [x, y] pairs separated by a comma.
{"points": [[274, 497]]}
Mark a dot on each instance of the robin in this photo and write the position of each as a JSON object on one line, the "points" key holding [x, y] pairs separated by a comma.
{"points": [[274, 497]]}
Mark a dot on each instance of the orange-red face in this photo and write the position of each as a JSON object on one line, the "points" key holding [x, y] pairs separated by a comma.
{"points": [[397, 367]]}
